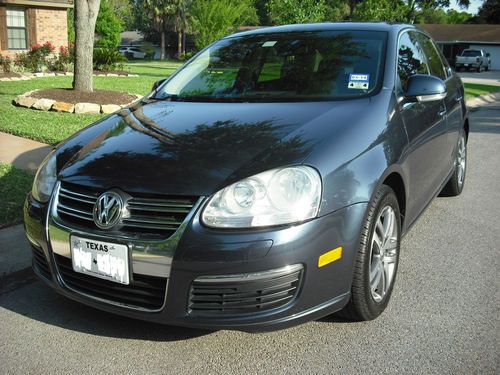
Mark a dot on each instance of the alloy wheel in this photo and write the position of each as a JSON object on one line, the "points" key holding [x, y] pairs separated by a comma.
{"points": [[383, 255], [461, 160]]}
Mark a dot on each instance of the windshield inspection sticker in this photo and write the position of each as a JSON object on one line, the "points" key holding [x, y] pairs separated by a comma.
{"points": [[359, 81], [269, 43]]}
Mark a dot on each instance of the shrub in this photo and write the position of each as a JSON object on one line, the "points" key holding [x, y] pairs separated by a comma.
{"points": [[5, 63], [63, 61], [36, 58], [149, 49], [107, 59], [107, 27]]}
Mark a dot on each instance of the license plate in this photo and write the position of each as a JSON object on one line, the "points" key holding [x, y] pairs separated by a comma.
{"points": [[108, 261], [466, 64]]}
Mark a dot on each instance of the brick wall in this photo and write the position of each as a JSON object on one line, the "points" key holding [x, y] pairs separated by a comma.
{"points": [[50, 25]]}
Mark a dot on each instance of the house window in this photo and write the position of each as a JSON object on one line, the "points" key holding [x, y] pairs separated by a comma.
{"points": [[16, 28]]}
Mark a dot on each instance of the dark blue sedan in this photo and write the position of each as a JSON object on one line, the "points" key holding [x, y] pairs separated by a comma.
{"points": [[266, 183]]}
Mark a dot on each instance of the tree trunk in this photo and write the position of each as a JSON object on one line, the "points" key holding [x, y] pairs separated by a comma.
{"points": [[184, 43], [85, 17], [179, 44], [162, 44]]}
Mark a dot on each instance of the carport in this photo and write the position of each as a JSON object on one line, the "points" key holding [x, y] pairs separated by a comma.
{"points": [[453, 39]]}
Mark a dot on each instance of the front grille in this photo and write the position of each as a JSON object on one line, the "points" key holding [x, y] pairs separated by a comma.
{"points": [[245, 293], [141, 215], [40, 262], [146, 292]]}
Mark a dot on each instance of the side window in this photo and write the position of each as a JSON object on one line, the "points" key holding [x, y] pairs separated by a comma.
{"points": [[411, 59], [433, 59]]}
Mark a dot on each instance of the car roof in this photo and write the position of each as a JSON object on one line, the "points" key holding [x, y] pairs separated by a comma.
{"points": [[328, 26]]}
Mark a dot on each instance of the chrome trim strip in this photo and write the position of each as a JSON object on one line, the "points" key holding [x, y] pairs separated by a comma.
{"points": [[431, 98], [152, 220], [159, 203], [89, 201], [84, 213], [250, 276], [78, 194]]}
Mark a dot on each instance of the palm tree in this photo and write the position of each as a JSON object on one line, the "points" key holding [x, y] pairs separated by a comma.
{"points": [[159, 10], [178, 10]]}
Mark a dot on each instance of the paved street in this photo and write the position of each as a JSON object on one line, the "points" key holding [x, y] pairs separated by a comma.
{"points": [[443, 317]]}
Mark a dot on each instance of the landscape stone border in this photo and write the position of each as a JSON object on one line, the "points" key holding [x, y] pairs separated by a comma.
{"points": [[28, 76], [44, 104]]}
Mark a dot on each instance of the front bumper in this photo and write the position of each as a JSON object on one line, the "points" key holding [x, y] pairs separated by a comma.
{"points": [[202, 252]]}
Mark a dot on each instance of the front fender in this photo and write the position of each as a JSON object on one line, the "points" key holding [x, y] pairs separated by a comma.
{"points": [[353, 164]]}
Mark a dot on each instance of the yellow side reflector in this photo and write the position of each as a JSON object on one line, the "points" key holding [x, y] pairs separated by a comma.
{"points": [[330, 256]]}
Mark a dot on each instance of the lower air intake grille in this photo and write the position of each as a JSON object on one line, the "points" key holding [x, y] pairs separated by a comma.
{"points": [[244, 293], [40, 262], [146, 292]]}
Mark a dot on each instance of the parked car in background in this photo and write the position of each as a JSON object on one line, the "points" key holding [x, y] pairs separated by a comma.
{"points": [[132, 52], [266, 183], [473, 59]]}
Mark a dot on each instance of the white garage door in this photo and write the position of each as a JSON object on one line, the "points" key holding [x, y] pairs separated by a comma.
{"points": [[494, 51]]}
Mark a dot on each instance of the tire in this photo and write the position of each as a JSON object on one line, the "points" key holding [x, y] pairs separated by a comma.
{"points": [[456, 183], [369, 298]]}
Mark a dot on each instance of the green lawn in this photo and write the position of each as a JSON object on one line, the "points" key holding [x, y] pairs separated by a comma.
{"points": [[53, 127], [14, 185], [473, 90]]}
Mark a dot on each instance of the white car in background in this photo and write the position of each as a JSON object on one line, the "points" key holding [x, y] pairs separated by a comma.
{"points": [[133, 52]]}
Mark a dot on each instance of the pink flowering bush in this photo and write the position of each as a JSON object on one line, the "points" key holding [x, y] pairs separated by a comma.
{"points": [[36, 58], [5, 63]]}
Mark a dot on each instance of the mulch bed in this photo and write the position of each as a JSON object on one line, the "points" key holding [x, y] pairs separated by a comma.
{"points": [[9, 75], [98, 96]]}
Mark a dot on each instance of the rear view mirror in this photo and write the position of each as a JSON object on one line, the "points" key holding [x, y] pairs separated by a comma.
{"points": [[425, 88]]}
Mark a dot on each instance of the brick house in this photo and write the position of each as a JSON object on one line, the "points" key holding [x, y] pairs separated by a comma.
{"points": [[24, 23]]}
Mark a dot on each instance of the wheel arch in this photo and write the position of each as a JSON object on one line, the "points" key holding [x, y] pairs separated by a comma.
{"points": [[395, 181], [466, 128]]}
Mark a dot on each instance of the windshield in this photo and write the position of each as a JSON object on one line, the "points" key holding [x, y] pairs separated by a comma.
{"points": [[471, 53], [295, 66]]}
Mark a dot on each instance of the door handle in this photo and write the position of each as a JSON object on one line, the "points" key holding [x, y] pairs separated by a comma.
{"points": [[442, 112], [459, 99]]}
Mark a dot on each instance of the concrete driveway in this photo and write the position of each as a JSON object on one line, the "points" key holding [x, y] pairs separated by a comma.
{"points": [[491, 77], [443, 318]]}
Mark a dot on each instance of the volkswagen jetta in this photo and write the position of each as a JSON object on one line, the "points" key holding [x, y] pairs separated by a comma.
{"points": [[266, 183]]}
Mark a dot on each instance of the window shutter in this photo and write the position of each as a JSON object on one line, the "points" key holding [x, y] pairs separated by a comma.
{"points": [[31, 26], [3, 29]]}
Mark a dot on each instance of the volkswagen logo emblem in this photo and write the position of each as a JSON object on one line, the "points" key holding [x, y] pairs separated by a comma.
{"points": [[108, 210]]}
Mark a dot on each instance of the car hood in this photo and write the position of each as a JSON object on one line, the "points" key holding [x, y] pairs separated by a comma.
{"points": [[185, 148]]}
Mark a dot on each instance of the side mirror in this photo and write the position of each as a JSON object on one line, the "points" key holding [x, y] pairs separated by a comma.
{"points": [[487, 54], [158, 84], [425, 88]]}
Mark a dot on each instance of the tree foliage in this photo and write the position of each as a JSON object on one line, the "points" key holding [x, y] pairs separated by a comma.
{"points": [[489, 12], [107, 27], [213, 19], [296, 11], [382, 10], [453, 16], [124, 10]]}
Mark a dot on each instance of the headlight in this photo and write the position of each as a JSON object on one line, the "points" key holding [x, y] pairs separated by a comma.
{"points": [[279, 196], [45, 179]]}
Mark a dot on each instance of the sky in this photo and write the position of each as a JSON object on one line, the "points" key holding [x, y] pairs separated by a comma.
{"points": [[473, 7]]}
